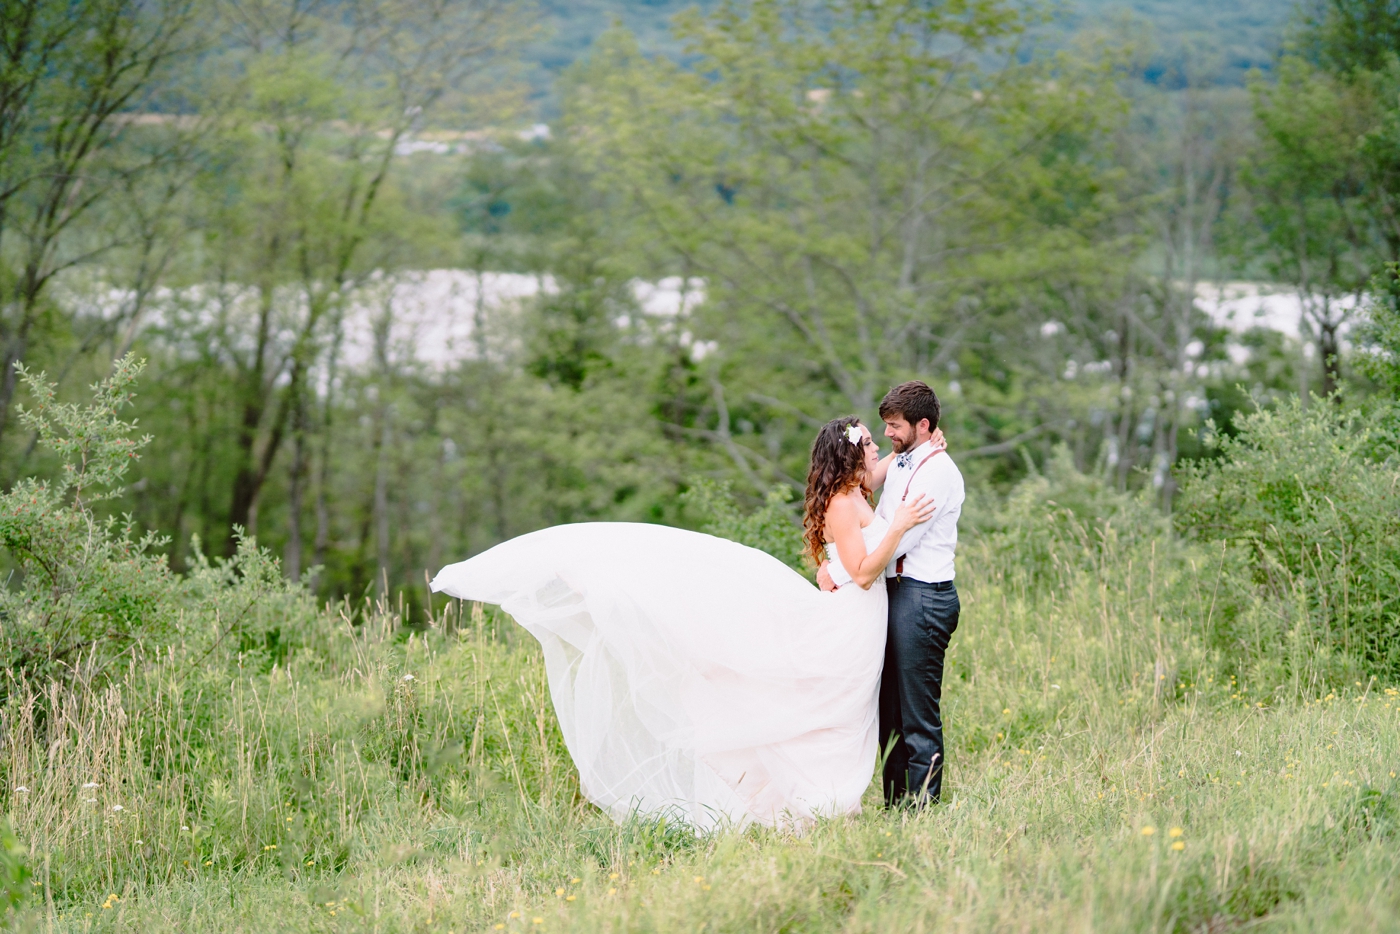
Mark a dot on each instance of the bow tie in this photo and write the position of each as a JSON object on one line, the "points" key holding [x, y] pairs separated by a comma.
{"points": [[902, 460]]}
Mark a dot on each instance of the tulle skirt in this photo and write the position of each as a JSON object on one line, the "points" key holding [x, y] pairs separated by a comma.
{"points": [[693, 676]]}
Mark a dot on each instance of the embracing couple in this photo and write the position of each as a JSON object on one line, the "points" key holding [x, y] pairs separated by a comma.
{"points": [[696, 677]]}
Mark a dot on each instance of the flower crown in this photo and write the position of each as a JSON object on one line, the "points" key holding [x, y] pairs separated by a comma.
{"points": [[853, 434]]}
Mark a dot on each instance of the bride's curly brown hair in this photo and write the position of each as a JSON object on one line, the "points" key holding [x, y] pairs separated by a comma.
{"points": [[837, 467]]}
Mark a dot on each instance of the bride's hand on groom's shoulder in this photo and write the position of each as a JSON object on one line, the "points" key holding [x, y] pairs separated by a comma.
{"points": [[940, 443]]}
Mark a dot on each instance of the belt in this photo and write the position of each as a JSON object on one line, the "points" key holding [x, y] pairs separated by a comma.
{"points": [[938, 586]]}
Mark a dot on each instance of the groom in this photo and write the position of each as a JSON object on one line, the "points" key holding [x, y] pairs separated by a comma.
{"points": [[923, 603]]}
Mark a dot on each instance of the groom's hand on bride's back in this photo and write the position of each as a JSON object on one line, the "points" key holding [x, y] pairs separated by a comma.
{"points": [[824, 580]]}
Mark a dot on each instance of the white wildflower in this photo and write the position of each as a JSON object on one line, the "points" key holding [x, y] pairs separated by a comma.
{"points": [[91, 785], [409, 678], [118, 807]]}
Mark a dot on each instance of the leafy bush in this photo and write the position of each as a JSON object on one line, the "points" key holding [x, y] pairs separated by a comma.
{"points": [[88, 588], [1060, 522], [15, 873], [769, 528], [1308, 499], [248, 607], [84, 584], [1380, 333]]}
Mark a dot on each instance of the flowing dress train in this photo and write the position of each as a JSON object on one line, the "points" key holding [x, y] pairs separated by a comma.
{"points": [[692, 675]]}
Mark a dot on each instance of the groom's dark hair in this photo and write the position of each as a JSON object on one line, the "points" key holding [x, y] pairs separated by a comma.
{"points": [[912, 401]]}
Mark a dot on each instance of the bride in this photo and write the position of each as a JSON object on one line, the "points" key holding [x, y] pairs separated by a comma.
{"points": [[704, 679]]}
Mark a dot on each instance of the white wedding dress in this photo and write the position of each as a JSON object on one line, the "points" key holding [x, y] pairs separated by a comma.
{"points": [[693, 676]]}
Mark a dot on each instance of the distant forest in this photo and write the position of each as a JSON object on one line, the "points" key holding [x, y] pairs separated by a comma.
{"points": [[1211, 41], [388, 321]]}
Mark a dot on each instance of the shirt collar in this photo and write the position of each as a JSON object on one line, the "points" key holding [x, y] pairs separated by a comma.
{"points": [[915, 455]]}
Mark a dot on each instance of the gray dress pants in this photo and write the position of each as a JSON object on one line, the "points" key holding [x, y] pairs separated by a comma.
{"points": [[921, 622]]}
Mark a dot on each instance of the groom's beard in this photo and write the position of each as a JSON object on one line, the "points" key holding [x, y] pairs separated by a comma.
{"points": [[901, 444]]}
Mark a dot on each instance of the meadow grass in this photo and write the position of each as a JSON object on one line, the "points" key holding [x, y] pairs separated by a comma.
{"points": [[1110, 770]]}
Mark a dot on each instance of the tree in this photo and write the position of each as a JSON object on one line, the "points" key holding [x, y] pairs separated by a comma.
{"points": [[1333, 129], [1381, 331], [1307, 199], [1348, 36], [1192, 140], [318, 98], [861, 192], [68, 75]]}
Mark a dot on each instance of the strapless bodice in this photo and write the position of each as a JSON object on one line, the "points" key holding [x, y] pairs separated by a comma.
{"points": [[873, 534]]}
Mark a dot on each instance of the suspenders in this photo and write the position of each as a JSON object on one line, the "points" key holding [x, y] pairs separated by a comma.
{"points": [[899, 562]]}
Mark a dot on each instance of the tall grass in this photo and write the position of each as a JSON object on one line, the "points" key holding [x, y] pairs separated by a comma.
{"points": [[1114, 765], [1145, 732]]}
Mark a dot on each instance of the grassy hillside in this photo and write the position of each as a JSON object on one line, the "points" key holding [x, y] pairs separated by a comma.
{"points": [[1075, 804], [1113, 767]]}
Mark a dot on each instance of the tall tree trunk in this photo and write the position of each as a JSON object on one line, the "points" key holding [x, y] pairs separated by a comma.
{"points": [[15, 348], [296, 481], [1328, 348], [323, 472], [245, 480], [436, 525], [1125, 402], [381, 501], [323, 511]]}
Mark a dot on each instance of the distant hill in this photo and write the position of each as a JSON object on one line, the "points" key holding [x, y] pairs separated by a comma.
{"points": [[572, 25], [1226, 38]]}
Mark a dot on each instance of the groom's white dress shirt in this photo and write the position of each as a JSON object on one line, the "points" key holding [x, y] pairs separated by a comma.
{"points": [[927, 548]]}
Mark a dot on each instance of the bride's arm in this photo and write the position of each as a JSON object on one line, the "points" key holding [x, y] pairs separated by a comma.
{"points": [[876, 479], [843, 523]]}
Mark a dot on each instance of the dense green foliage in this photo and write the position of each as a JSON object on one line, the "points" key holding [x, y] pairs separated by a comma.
{"points": [[1184, 39], [769, 528], [1310, 500], [1019, 219], [1111, 768], [230, 703], [86, 584]]}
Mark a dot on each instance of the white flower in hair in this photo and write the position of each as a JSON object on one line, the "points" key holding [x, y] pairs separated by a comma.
{"points": [[853, 434]]}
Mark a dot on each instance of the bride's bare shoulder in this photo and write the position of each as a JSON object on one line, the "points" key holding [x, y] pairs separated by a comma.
{"points": [[842, 508]]}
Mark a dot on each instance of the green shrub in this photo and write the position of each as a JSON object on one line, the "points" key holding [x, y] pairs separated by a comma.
{"points": [[84, 585], [14, 870], [1380, 333], [248, 608], [769, 528], [1062, 522], [1307, 499]]}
